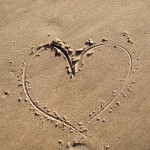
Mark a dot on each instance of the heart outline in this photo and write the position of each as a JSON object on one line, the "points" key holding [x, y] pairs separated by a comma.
{"points": [[56, 47]]}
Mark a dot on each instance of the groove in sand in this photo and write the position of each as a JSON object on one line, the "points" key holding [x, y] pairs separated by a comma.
{"points": [[68, 59]]}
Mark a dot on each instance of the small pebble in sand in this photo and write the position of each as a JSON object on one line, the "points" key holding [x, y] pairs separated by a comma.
{"points": [[103, 120], [60, 125], [110, 111], [6, 93], [48, 110], [25, 99], [10, 62], [75, 59], [124, 34], [90, 114], [69, 70], [138, 58], [19, 99], [27, 81], [65, 118], [60, 142], [93, 112], [104, 40], [84, 130], [70, 50], [90, 135], [114, 94], [20, 84], [38, 55], [52, 120], [12, 72], [21, 93], [71, 131], [102, 105], [131, 42], [36, 113], [90, 42], [106, 147], [80, 50], [29, 88], [124, 95], [114, 91], [98, 118], [114, 106], [89, 53], [68, 145], [55, 113], [32, 50], [80, 123], [58, 52], [64, 128], [56, 124], [118, 103], [67, 66], [129, 89], [67, 46], [76, 142], [128, 40], [45, 106]]}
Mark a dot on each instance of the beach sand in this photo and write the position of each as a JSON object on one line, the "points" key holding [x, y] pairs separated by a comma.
{"points": [[87, 91]]}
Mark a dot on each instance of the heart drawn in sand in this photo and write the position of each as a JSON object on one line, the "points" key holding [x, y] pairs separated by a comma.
{"points": [[98, 74]]}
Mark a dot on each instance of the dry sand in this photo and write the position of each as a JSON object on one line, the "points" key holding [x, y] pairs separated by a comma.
{"points": [[95, 97]]}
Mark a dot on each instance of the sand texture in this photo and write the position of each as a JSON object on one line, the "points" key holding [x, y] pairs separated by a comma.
{"points": [[74, 75]]}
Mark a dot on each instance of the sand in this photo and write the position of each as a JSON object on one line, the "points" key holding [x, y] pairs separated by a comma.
{"points": [[75, 75]]}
